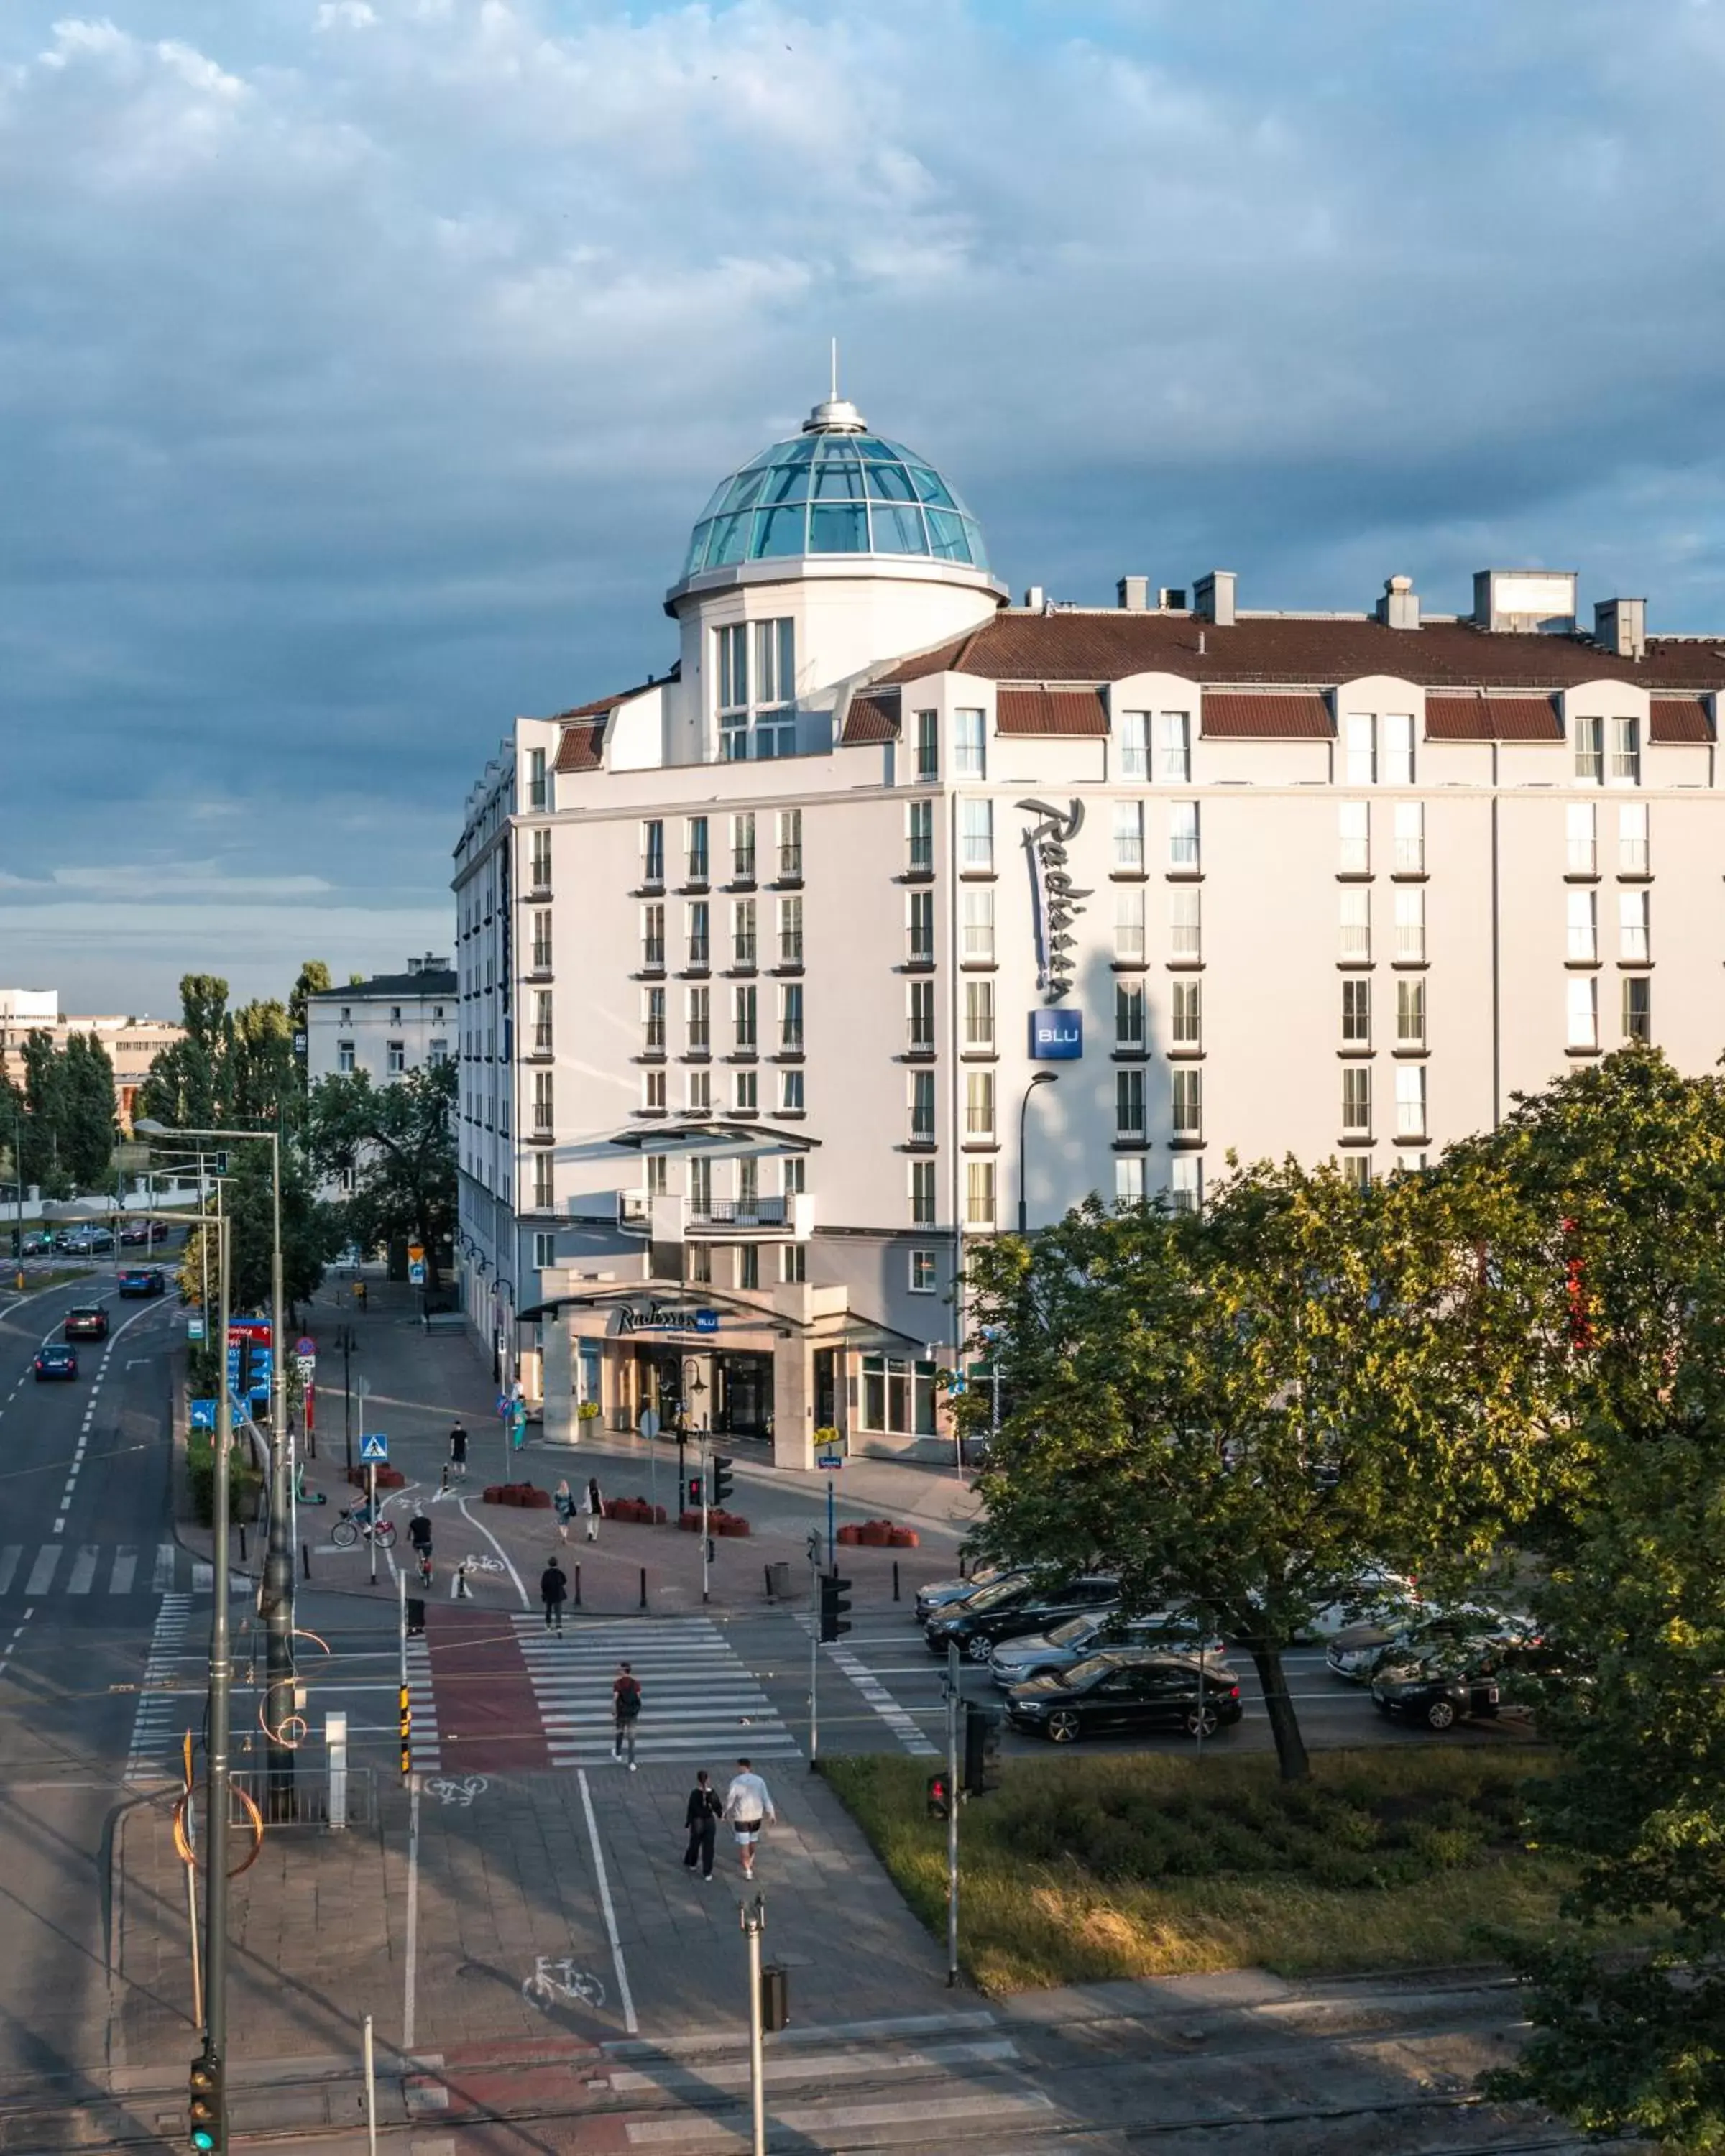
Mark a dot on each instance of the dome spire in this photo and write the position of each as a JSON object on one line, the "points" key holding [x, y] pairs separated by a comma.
{"points": [[837, 414]]}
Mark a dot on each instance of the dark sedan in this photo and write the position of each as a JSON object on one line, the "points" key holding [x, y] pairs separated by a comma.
{"points": [[1011, 1607], [55, 1360], [1121, 1694], [940, 1595], [1440, 1689]]}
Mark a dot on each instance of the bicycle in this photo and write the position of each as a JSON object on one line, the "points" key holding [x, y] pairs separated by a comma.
{"points": [[422, 1552], [347, 1531]]}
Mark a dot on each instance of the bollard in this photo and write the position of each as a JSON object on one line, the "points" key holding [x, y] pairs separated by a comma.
{"points": [[242, 1542], [894, 1579], [767, 1570], [335, 1738], [305, 1557], [644, 1587], [577, 1586]]}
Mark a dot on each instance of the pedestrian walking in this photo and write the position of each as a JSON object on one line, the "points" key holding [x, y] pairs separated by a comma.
{"points": [[553, 1592], [593, 1507], [359, 1293], [704, 1809], [625, 1712], [458, 1453], [565, 1504], [748, 1806]]}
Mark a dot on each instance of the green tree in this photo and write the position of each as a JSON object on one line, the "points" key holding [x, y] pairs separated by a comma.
{"points": [[262, 1079], [45, 1109], [1240, 1411], [311, 1233], [314, 979], [186, 1084], [88, 1125], [399, 1142]]}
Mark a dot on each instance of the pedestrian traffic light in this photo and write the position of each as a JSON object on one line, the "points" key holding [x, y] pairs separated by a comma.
{"points": [[205, 2105], [834, 1601], [982, 1749], [940, 1800], [723, 1480]]}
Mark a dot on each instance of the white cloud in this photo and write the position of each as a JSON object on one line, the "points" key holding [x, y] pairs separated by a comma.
{"points": [[345, 15]]}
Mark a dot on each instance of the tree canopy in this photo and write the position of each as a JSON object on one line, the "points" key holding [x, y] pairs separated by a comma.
{"points": [[398, 1139], [61, 1120]]}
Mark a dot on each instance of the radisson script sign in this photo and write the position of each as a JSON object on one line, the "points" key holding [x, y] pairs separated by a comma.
{"points": [[1056, 902]]}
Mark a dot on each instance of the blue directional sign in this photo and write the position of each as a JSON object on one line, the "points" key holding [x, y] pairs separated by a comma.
{"points": [[374, 1448], [203, 1414]]}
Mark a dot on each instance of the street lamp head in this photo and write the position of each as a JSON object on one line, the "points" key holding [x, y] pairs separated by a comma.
{"points": [[1046, 1078], [149, 1127]]}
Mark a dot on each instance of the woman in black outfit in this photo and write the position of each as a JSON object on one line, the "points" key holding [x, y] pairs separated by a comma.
{"points": [[705, 1808]]}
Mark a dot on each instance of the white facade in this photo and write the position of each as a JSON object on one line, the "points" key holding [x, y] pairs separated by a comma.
{"points": [[387, 1026], [754, 990]]}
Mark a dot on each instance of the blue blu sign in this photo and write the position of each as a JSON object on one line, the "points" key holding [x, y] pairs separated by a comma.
{"points": [[1057, 1036]]}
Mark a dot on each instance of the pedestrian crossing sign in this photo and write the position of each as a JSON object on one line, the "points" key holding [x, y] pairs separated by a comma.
{"points": [[374, 1448]]}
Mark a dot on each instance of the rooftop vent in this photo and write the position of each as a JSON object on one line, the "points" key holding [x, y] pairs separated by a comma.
{"points": [[1172, 598], [1526, 602], [1213, 596], [1621, 626], [1134, 593], [1034, 599], [1400, 606]]}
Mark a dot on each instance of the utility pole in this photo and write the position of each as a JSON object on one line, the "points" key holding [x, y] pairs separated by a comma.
{"points": [[705, 1487], [278, 1598], [221, 1685], [813, 1644], [754, 1922], [954, 1700]]}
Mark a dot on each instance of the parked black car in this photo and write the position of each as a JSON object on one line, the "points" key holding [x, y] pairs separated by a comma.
{"points": [[1120, 1694], [1440, 1687], [1011, 1606], [941, 1595]]}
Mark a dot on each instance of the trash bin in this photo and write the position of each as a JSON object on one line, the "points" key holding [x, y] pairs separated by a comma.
{"points": [[775, 1997], [415, 1616], [778, 1582]]}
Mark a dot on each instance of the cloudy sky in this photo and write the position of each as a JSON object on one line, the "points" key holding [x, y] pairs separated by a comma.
{"points": [[363, 364]]}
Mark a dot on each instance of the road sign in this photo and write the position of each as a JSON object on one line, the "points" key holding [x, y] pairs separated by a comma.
{"points": [[203, 1414], [648, 1423], [503, 1405], [374, 1448], [194, 1328], [416, 1272], [828, 1457], [305, 1345], [360, 1387]]}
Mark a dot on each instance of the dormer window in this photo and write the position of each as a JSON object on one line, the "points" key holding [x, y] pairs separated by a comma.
{"points": [[756, 670]]}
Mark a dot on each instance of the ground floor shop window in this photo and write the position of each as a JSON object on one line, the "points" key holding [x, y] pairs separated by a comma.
{"points": [[898, 1395]]}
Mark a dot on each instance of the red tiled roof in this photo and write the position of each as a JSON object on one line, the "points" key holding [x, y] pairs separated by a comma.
{"points": [[1491, 718], [1680, 719], [1051, 711], [872, 717], [579, 746], [1266, 718], [943, 660]]}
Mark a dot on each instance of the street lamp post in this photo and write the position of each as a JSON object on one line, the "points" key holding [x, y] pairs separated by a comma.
{"points": [[18, 1173], [1042, 1078]]}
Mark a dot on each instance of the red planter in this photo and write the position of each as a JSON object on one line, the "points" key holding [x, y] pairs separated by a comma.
{"points": [[904, 1538], [525, 1495], [717, 1522], [849, 1534], [874, 1534]]}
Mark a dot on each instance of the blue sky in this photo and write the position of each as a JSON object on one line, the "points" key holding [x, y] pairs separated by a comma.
{"points": [[363, 364]]}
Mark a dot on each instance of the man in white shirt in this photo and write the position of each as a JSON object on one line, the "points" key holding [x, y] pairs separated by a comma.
{"points": [[747, 1804]]}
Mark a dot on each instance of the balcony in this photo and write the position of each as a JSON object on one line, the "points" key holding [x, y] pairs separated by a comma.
{"points": [[668, 1218]]}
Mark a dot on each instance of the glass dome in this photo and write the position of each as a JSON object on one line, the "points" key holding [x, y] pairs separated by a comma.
{"points": [[836, 488]]}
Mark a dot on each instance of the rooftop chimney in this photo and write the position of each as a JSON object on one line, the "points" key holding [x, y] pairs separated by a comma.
{"points": [[1213, 596], [1400, 606], [1621, 626], [1033, 599], [1134, 593], [416, 965]]}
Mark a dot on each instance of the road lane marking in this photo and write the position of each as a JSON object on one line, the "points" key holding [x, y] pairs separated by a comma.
{"points": [[9, 1563], [126, 1565], [83, 1571], [501, 1552], [163, 1581], [42, 1571], [630, 2024], [412, 1956]]}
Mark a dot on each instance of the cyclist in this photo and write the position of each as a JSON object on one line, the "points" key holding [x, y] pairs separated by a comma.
{"points": [[419, 1535]]}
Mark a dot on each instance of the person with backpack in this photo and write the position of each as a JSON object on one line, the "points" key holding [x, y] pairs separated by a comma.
{"points": [[458, 1453], [705, 1808], [553, 1592], [625, 1712]]}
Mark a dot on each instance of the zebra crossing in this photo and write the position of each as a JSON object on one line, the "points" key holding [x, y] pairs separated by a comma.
{"points": [[423, 1748], [101, 1569], [161, 1710], [698, 1698]]}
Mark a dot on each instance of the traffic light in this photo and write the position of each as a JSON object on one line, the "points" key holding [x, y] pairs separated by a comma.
{"points": [[205, 2105], [940, 1796], [221, 1163], [982, 1749], [834, 1601], [723, 1480]]}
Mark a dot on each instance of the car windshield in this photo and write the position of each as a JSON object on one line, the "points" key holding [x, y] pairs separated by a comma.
{"points": [[1073, 1633], [1087, 1672], [991, 1596]]}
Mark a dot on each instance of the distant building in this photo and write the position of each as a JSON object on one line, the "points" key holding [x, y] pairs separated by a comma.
{"points": [[387, 1026], [132, 1044]]}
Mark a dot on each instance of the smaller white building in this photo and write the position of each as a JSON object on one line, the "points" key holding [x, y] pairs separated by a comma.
{"points": [[387, 1026]]}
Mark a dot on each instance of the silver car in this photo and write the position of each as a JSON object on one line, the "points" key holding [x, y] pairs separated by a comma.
{"points": [[1015, 1661]]}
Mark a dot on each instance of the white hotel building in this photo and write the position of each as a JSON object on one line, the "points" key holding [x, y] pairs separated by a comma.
{"points": [[759, 960]]}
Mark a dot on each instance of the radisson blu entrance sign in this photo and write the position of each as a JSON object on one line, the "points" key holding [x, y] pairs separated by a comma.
{"points": [[1057, 1036]]}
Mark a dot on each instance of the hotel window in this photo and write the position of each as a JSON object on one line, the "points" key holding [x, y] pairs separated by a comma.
{"points": [[920, 1016], [700, 1088], [1584, 945], [743, 848], [1623, 741], [790, 932], [1410, 1100], [969, 754], [1583, 1012], [1353, 855], [542, 1021], [1129, 1179], [1129, 838], [978, 926], [979, 1014], [748, 1186], [733, 645], [1188, 1014], [922, 1272], [544, 1180], [1396, 731], [658, 1175], [745, 1091], [700, 1189], [743, 931], [790, 1019], [1637, 1007], [1581, 847], [539, 869], [437, 1052], [542, 1116], [920, 924], [979, 1193], [344, 1055], [923, 1194], [748, 1265], [652, 935], [1185, 927], [541, 942], [976, 823], [1357, 1098], [1360, 736], [918, 837], [1410, 838], [928, 745], [653, 851], [743, 1011], [922, 1107], [1356, 1013], [1357, 1171], [1633, 908], [1189, 1103], [1185, 1189], [694, 848], [1410, 927], [790, 842], [700, 1029], [536, 778], [1183, 854], [760, 704], [792, 1263], [700, 1259], [652, 1021], [1129, 1014], [1174, 738], [700, 951], [1634, 857], [1129, 926], [1589, 751], [794, 1176], [790, 1092], [653, 1092], [1129, 1103], [1411, 1013], [978, 1104], [1355, 948], [544, 1250], [1135, 745]]}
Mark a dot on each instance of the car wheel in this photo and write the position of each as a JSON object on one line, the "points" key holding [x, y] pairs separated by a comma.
{"points": [[1202, 1722], [977, 1648], [1441, 1714], [1063, 1726]]}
